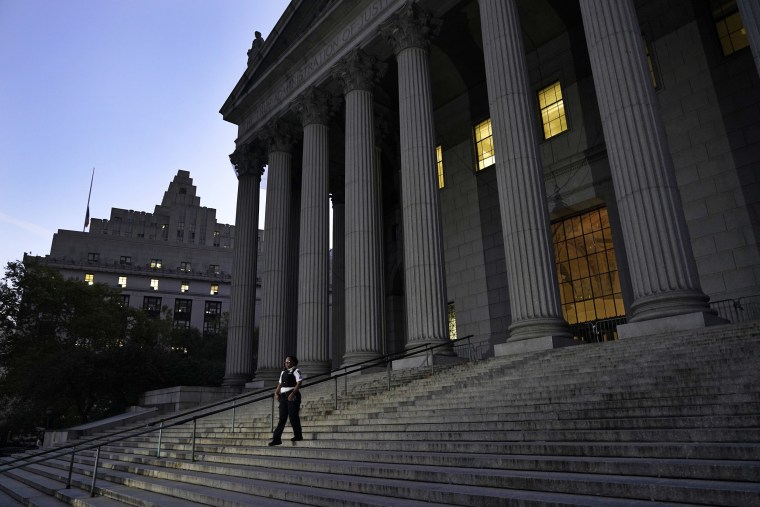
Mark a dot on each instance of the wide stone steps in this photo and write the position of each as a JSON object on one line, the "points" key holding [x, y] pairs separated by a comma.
{"points": [[419, 482], [656, 449], [351, 461], [210, 484], [251, 486], [666, 420]]}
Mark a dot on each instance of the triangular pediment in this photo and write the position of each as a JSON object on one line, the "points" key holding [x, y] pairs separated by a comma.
{"points": [[297, 20]]}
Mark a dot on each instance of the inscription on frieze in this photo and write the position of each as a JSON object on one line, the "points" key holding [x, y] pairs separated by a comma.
{"points": [[307, 69]]}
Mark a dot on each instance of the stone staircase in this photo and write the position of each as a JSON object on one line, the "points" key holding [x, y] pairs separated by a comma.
{"points": [[663, 420]]}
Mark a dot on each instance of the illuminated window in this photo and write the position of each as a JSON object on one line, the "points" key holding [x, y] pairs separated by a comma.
{"points": [[154, 283], [89, 278], [586, 268], [122, 281], [184, 267], [214, 289], [730, 27], [184, 286], [155, 264], [452, 317], [552, 110], [484, 144], [650, 62], [439, 164]]}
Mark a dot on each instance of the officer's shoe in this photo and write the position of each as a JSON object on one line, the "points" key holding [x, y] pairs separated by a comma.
{"points": [[296, 439], [275, 442]]}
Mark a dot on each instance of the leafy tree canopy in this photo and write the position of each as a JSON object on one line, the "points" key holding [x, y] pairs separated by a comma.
{"points": [[72, 352]]}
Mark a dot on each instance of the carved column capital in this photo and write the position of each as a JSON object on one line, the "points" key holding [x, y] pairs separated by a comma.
{"points": [[278, 135], [314, 106], [358, 71], [248, 159], [410, 27]]}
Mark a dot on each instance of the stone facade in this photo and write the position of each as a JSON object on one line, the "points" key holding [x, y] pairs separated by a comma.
{"points": [[180, 244], [658, 140]]}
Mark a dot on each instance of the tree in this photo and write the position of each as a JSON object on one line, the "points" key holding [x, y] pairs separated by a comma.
{"points": [[72, 352]]}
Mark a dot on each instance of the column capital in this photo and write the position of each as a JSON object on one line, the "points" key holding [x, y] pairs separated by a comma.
{"points": [[278, 135], [248, 159], [358, 71], [314, 106], [410, 27]]}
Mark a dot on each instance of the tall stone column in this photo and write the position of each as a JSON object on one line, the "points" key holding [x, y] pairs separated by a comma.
{"points": [[537, 320], [357, 72], [275, 272], [658, 247], [338, 277], [249, 166], [425, 291], [750, 13], [312, 334]]}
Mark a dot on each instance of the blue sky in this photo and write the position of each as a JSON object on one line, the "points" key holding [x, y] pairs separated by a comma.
{"points": [[132, 88]]}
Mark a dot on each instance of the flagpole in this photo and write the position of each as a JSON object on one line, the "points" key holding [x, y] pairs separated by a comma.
{"points": [[87, 213]]}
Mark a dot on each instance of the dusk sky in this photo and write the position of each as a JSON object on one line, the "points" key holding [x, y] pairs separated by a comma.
{"points": [[131, 88]]}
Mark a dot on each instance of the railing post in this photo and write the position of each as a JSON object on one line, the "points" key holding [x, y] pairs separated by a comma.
{"points": [[95, 472], [71, 468], [233, 416], [160, 433], [192, 449], [336, 393], [388, 367]]}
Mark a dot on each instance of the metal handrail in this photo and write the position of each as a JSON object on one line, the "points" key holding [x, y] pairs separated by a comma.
{"points": [[741, 309], [209, 410]]}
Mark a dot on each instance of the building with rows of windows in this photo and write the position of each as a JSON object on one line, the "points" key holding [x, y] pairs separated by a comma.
{"points": [[177, 258], [528, 172]]}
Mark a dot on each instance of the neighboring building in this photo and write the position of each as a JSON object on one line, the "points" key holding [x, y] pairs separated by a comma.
{"points": [[524, 167], [178, 257]]}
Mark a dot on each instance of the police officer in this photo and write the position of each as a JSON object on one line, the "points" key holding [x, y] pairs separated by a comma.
{"points": [[288, 394]]}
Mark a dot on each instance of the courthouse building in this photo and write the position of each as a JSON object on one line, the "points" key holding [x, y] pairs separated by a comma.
{"points": [[523, 168], [177, 258]]}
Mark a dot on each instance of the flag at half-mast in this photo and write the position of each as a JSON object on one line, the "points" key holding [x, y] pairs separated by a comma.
{"points": [[87, 213]]}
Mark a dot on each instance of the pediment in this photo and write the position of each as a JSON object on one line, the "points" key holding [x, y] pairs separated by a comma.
{"points": [[299, 17]]}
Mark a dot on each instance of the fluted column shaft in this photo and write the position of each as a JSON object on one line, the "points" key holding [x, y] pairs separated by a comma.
{"points": [[533, 289], [363, 299], [658, 247], [239, 359], [750, 13], [312, 332], [274, 276], [425, 291]]}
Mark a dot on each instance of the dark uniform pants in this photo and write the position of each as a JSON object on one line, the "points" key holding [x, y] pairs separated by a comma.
{"points": [[289, 409]]}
